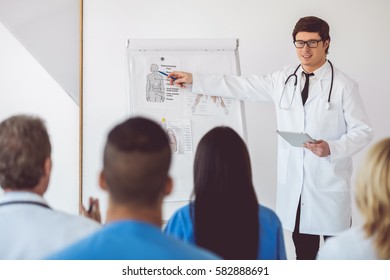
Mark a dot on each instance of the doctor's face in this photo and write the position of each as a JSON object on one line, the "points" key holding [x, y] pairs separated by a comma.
{"points": [[311, 58]]}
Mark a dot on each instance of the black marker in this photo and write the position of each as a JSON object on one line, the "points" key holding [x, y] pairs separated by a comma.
{"points": [[165, 74]]}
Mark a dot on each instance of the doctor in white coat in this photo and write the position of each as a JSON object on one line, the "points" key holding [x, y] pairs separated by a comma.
{"points": [[313, 192]]}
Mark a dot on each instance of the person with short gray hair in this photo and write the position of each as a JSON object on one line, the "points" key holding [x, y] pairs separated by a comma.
{"points": [[30, 228]]}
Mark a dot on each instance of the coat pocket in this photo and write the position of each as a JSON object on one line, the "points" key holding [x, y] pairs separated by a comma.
{"points": [[332, 177]]}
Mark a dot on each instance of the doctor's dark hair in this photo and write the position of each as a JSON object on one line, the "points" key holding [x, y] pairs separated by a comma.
{"points": [[136, 162], [24, 148], [225, 206], [313, 24]]}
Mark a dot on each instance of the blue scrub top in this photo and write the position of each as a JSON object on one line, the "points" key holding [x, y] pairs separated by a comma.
{"points": [[131, 240], [271, 242]]}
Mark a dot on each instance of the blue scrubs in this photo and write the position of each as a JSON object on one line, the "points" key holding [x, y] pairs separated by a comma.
{"points": [[271, 243], [131, 240]]}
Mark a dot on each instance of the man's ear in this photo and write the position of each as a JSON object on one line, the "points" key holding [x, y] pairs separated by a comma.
{"points": [[43, 183], [47, 166], [102, 181], [326, 43], [168, 186]]}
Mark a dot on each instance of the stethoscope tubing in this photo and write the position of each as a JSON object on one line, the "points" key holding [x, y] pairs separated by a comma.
{"points": [[294, 75]]}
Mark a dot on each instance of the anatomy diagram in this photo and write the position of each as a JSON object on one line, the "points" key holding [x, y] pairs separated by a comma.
{"points": [[155, 85], [215, 99]]}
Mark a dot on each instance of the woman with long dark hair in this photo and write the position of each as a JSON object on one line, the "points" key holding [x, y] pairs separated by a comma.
{"points": [[225, 216]]}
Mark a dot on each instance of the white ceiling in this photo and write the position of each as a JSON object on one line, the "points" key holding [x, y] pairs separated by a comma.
{"points": [[50, 31]]}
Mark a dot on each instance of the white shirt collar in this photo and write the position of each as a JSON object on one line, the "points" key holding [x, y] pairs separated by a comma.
{"points": [[320, 71], [22, 196]]}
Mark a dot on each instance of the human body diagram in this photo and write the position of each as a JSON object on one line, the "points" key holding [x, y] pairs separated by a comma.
{"points": [[215, 99], [155, 85], [172, 140]]}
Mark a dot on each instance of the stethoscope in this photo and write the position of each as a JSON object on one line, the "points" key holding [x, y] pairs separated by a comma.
{"points": [[294, 75], [26, 202]]}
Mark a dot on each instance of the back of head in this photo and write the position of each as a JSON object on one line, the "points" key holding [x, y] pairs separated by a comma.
{"points": [[226, 207], [312, 24], [136, 162], [373, 195], [24, 148]]}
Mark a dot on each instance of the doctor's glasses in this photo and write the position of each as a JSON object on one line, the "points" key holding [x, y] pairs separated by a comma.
{"points": [[299, 44]]}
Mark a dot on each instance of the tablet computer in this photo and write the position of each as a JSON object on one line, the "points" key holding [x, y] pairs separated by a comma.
{"points": [[296, 139]]}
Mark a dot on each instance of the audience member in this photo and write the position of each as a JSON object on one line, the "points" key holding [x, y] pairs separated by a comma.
{"points": [[136, 162], [30, 228], [225, 216], [371, 240]]}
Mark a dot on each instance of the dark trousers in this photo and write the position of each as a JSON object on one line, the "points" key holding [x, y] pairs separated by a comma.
{"points": [[306, 245]]}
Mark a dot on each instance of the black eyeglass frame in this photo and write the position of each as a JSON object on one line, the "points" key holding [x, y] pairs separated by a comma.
{"points": [[307, 43]]}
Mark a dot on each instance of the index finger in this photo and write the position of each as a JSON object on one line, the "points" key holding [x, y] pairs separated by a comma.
{"points": [[174, 73], [180, 82], [173, 77], [309, 145]]}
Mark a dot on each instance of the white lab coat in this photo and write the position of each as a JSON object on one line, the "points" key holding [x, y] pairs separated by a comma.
{"points": [[29, 231], [322, 182]]}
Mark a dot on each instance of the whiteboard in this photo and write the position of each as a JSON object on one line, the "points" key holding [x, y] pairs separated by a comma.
{"points": [[185, 116]]}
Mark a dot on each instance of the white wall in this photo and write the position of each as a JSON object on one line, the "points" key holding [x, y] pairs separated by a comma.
{"points": [[50, 30], [26, 88], [360, 43]]}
